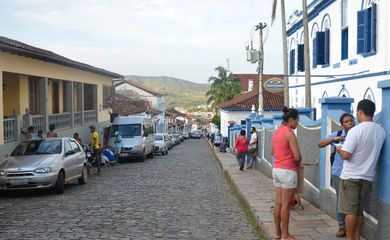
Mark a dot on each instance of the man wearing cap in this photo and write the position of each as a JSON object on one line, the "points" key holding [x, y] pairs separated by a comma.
{"points": [[95, 144], [118, 144]]}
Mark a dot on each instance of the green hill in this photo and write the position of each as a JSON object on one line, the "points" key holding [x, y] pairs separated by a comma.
{"points": [[179, 93]]}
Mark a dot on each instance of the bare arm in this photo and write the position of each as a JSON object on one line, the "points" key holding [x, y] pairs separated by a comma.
{"points": [[293, 142], [344, 154], [326, 142]]}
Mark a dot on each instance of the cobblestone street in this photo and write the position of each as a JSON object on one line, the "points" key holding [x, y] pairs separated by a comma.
{"points": [[182, 195]]}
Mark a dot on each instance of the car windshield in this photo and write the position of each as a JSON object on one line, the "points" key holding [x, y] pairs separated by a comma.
{"points": [[158, 137], [37, 147], [126, 130]]}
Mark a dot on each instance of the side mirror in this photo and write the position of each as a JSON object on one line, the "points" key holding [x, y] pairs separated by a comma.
{"points": [[70, 152]]}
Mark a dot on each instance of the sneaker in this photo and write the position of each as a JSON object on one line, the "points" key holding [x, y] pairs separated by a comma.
{"points": [[341, 232]]}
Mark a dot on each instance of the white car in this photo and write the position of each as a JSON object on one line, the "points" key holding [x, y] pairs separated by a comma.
{"points": [[160, 143]]}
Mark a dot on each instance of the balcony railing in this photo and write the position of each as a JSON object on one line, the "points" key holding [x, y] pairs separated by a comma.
{"points": [[90, 116], [9, 127], [77, 118], [60, 120], [37, 122]]}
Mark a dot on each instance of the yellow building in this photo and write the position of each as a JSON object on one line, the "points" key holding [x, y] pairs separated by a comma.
{"points": [[40, 88]]}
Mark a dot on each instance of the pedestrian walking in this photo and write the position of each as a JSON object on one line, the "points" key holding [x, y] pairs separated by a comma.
{"points": [[95, 145], [241, 148], [338, 137], [252, 148], [361, 152], [217, 140], [118, 144], [52, 133], [287, 158]]}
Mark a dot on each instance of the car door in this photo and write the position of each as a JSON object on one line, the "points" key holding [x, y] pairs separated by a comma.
{"points": [[78, 158], [68, 159]]}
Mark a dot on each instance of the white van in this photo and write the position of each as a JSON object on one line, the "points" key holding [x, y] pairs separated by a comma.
{"points": [[137, 136]]}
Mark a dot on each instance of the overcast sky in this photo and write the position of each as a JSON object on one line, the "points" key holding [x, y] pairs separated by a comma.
{"points": [[177, 38]]}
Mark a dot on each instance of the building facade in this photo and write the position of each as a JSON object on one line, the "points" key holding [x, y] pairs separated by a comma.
{"points": [[348, 53], [40, 88]]}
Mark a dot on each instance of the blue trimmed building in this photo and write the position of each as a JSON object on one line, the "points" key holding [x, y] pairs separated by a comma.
{"points": [[348, 53]]}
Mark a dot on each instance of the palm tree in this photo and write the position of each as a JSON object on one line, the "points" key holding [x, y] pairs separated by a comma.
{"points": [[306, 55], [285, 56], [223, 87]]}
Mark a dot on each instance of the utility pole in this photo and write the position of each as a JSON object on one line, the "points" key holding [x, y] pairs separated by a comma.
{"points": [[306, 55], [260, 27]]}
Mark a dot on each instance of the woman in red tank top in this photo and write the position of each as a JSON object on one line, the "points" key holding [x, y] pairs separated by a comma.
{"points": [[241, 148], [287, 158]]}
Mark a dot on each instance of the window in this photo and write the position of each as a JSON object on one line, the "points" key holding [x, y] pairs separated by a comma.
{"points": [[33, 89], [88, 97], [301, 57], [55, 96], [74, 146], [67, 147], [292, 61], [344, 43], [107, 95], [321, 48], [366, 30]]}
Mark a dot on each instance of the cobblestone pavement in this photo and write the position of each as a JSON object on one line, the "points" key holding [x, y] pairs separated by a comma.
{"points": [[179, 196]]}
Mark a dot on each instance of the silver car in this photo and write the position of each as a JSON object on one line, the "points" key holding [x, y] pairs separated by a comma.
{"points": [[48, 163]]}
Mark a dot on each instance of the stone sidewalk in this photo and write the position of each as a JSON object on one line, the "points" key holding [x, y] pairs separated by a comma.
{"points": [[258, 190]]}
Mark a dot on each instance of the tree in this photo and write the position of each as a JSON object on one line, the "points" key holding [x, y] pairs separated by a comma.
{"points": [[285, 55], [223, 87], [217, 121]]}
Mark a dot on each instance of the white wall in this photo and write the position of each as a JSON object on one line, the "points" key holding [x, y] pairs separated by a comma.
{"points": [[365, 65]]}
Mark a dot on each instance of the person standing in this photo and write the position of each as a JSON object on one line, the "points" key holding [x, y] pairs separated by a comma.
{"points": [[95, 145], [217, 140], [361, 152], [252, 148], [52, 133], [77, 138], [338, 137], [287, 158], [241, 148], [118, 144]]}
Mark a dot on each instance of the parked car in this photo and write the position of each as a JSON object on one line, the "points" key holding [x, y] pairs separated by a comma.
{"points": [[160, 143], [186, 135], [170, 142], [48, 163], [137, 133]]}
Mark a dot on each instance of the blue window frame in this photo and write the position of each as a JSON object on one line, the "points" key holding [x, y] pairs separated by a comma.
{"points": [[344, 44], [314, 52], [321, 48], [366, 30], [301, 57], [292, 61]]}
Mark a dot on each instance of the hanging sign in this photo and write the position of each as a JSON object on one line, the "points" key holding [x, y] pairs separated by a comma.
{"points": [[274, 85]]}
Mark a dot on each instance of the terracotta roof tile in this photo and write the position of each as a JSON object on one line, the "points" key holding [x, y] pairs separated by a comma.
{"points": [[271, 100], [23, 49], [127, 106]]}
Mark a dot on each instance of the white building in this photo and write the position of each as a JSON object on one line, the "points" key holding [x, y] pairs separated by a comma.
{"points": [[348, 53]]}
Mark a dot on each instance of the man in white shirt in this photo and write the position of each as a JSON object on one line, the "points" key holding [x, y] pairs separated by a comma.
{"points": [[361, 152], [252, 147]]}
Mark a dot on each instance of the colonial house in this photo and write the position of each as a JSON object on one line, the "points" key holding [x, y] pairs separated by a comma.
{"points": [[178, 121], [239, 108], [43, 88], [348, 50], [132, 89]]}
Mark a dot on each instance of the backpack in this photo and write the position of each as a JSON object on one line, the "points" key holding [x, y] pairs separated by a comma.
{"points": [[334, 149]]}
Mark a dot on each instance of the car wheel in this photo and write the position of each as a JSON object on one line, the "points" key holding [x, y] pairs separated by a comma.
{"points": [[84, 176], [60, 184]]}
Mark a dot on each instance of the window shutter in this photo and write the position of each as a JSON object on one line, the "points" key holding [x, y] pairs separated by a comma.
{"points": [[292, 61], [373, 28], [301, 57], [320, 48], [361, 31], [326, 46], [314, 52], [344, 44]]}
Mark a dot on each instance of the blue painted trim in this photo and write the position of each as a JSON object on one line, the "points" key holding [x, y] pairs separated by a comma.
{"points": [[323, 20], [372, 93], [312, 29], [237, 109], [384, 84], [353, 61], [346, 79], [369, 54], [316, 11], [325, 65], [336, 65]]}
